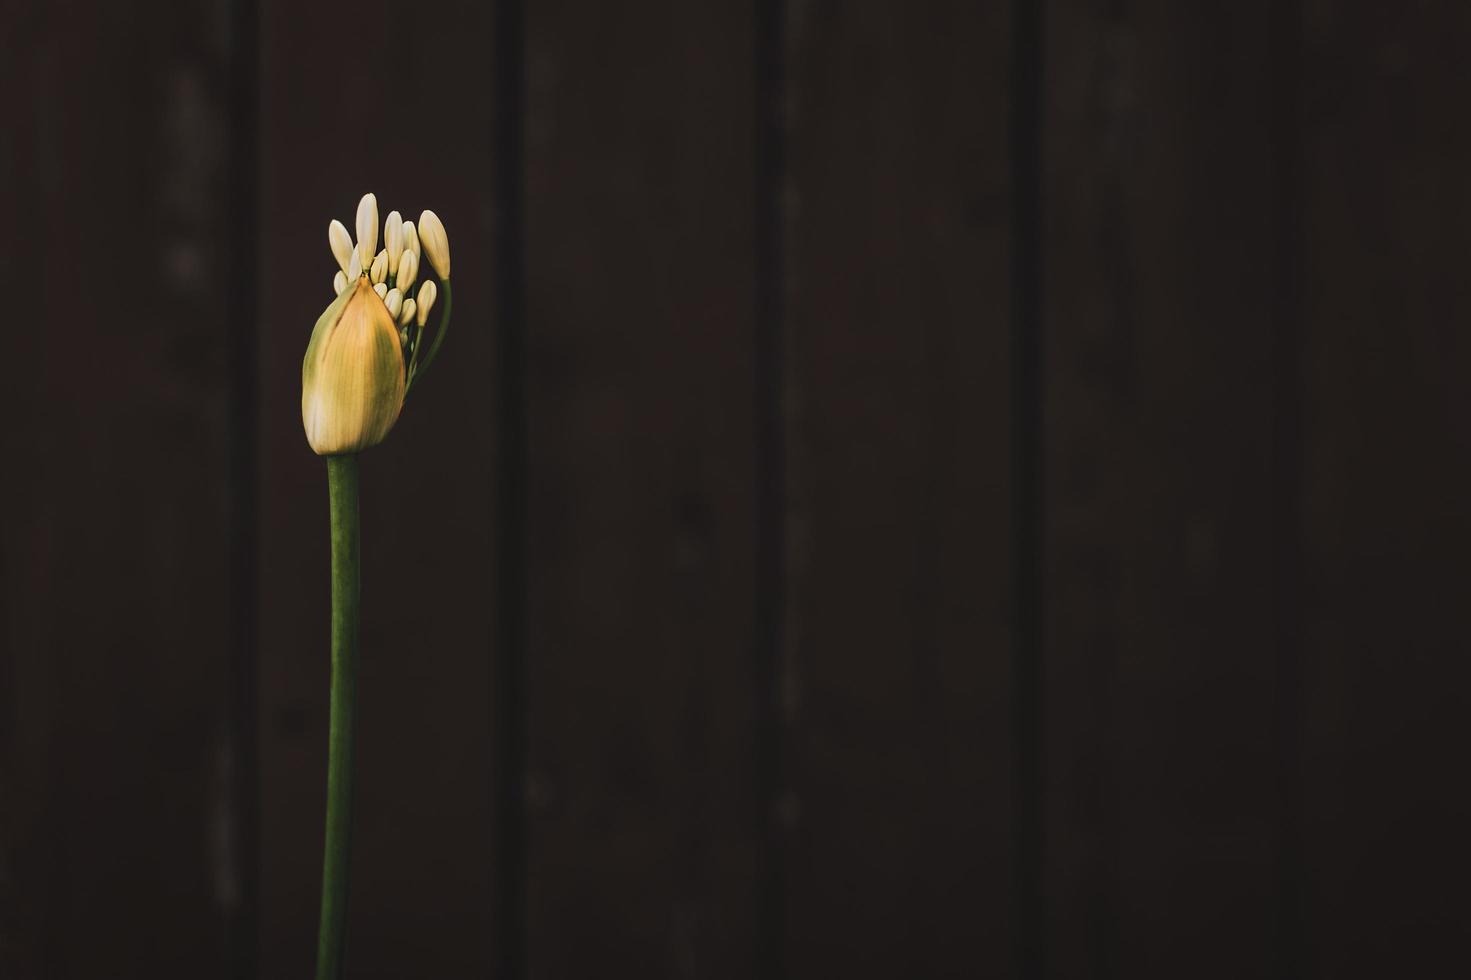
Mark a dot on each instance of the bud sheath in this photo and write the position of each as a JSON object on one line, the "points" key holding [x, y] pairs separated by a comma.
{"points": [[352, 378]]}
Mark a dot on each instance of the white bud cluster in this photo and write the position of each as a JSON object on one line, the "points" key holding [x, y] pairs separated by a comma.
{"points": [[406, 275], [396, 266]]}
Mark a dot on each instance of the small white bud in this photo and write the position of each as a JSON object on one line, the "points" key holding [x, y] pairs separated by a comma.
{"points": [[379, 270], [395, 302], [354, 268], [435, 242], [427, 294], [407, 313], [367, 225], [339, 282], [411, 238], [341, 243], [381, 289], [393, 240], [408, 271]]}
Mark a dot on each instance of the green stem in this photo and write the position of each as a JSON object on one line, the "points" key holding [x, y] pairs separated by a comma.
{"points": [[416, 371], [342, 492]]}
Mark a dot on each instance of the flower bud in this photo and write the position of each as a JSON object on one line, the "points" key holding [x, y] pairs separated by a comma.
{"points": [[411, 238], [339, 283], [379, 271], [367, 226], [408, 271], [407, 313], [354, 265], [393, 240], [435, 243], [381, 288], [341, 243], [352, 378], [394, 301], [427, 294]]}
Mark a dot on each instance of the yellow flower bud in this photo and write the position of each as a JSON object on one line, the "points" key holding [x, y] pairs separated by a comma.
{"points": [[379, 270], [393, 240], [381, 288], [339, 283], [354, 265], [394, 301], [341, 243], [408, 271], [435, 242], [367, 226], [411, 238], [407, 313], [427, 294], [352, 378]]}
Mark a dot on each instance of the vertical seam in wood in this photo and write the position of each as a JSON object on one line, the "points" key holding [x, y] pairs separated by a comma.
{"points": [[510, 928], [1287, 530], [770, 439], [242, 707], [1027, 481]]}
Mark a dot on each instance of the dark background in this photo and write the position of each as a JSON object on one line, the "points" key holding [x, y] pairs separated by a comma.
{"points": [[913, 489]]}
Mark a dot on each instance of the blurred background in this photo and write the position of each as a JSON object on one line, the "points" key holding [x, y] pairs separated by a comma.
{"points": [[913, 489]]}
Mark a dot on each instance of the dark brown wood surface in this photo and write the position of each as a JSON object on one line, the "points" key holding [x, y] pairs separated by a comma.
{"points": [[763, 635], [1387, 477], [640, 326], [895, 685], [1161, 648], [115, 550]]}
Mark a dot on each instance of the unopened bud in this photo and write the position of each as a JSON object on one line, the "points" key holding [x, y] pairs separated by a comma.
{"points": [[394, 301], [381, 288], [339, 283], [411, 238], [341, 243], [352, 378], [435, 242], [408, 271], [407, 313], [427, 294], [367, 225], [393, 240], [379, 271]]}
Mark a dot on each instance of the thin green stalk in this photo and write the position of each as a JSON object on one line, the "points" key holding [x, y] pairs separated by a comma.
{"points": [[416, 370], [342, 492]]}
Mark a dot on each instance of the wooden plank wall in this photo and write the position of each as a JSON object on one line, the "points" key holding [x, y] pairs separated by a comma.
{"points": [[1385, 678], [1161, 652], [116, 550], [896, 680], [738, 665], [639, 326]]}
